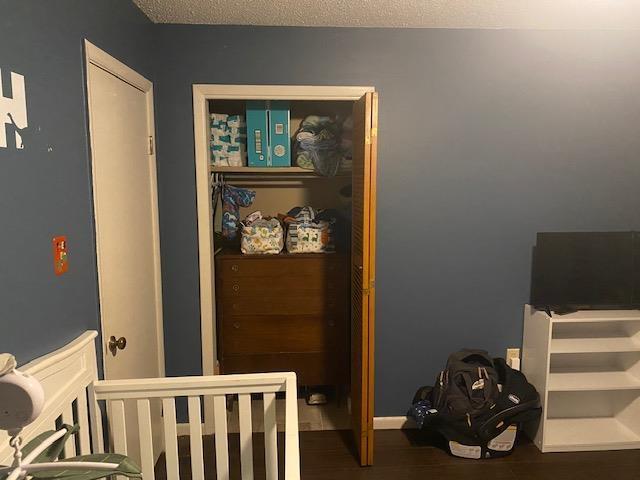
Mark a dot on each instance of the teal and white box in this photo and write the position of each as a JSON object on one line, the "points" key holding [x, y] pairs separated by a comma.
{"points": [[258, 133], [279, 137]]}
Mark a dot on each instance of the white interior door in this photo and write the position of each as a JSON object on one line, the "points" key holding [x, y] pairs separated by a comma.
{"points": [[121, 124], [126, 220]]}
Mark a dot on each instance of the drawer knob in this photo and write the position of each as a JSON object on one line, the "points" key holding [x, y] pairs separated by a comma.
{"points": [[236, 325], [235, 268], [332, 323], [236, 288]]}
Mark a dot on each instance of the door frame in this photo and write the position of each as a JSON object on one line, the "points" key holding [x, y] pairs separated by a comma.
{"points": [[202, 93], [101, 59]]}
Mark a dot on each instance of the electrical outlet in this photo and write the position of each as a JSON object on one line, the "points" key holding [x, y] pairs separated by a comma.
{"points": [[513, 358], [512, 353]]}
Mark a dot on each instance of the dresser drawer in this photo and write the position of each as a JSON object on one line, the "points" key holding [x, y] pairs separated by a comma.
{"points": [[280, 265], [283, 285], [283, 334], [318, 368], [337, 303]]}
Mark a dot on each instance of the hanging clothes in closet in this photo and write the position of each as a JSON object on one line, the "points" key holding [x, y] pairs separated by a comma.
{"points": [[232, 199]]}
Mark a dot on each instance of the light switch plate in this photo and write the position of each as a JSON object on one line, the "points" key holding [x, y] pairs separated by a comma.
{"points": [[60, 256]]}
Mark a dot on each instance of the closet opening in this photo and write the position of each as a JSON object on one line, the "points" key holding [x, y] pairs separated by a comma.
{"points": [[288, 311], [288, 261]]}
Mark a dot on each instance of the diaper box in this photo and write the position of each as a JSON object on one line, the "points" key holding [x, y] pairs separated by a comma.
{"points": [[257, 133], [268, 136], [279, 137]]}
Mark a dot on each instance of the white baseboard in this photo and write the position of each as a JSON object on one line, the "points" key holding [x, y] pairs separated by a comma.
{"points": [[393, 423], [379, 423]]}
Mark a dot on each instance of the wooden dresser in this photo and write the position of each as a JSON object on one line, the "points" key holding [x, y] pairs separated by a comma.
{"points": [[284, 313]]}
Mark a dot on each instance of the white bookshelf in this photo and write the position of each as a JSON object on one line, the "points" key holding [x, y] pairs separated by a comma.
{"points": [[586, 367]]}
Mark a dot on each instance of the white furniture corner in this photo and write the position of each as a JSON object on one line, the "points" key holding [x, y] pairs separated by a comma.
{"points": [[72, 394], [586, 367]]}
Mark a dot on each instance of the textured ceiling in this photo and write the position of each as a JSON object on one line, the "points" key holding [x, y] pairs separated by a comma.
{"points": [[543, 14]]}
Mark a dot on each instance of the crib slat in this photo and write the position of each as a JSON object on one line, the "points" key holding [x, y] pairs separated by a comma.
{"points": [[291, 441], [170, 437], [70, 444], [83, 422], [246, 436], [270, 436], [118, 427], [146, 438], [222, 445], [195, 439], [96, 421]]}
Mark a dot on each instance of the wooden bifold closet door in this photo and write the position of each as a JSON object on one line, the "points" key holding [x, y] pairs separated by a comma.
{"points": [[365, 114]]}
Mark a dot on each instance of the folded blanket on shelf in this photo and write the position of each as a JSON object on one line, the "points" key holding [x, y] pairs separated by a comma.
{"points": [[318, 145]]}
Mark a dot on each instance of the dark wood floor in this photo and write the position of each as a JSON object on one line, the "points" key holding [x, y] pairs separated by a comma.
{"points": [[404, 455]]}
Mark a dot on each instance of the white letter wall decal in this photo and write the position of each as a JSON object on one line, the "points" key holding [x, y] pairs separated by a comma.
{"points": [[13, 111]]}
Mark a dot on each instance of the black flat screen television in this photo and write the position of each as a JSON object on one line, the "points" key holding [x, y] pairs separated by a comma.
{"points": [[586, 271]]}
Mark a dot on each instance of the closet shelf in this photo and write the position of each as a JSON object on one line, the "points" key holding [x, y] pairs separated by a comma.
{"points": [[592, 381], [266, 170], [273, 171]]}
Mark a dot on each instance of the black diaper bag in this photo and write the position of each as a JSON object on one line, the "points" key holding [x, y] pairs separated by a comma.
{"points": [[477, 404]]}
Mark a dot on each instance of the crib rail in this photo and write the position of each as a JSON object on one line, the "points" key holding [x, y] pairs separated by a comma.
{"points": [[65, 376], [117, 393]]}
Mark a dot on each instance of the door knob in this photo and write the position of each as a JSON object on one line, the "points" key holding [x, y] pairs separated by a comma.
{"points": [[115, 345]]}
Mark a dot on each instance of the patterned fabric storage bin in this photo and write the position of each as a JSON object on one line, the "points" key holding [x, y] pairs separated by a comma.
{"points": [[310, 237], [307, 233], [262, 237], [228, 140]]}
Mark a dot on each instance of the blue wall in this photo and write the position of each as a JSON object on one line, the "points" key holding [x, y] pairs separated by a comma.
{"points": [[486, 137], [45, 189]]}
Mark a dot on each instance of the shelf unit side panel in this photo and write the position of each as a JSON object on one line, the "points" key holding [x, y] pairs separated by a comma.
{"points": [[535, 364]]}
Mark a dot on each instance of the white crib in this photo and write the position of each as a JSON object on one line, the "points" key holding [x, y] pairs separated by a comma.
{"points": [[142, 414]]}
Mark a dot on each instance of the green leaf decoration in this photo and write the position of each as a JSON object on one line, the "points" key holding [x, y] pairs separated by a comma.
{"points": [[126, 467], [51, 453]]}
